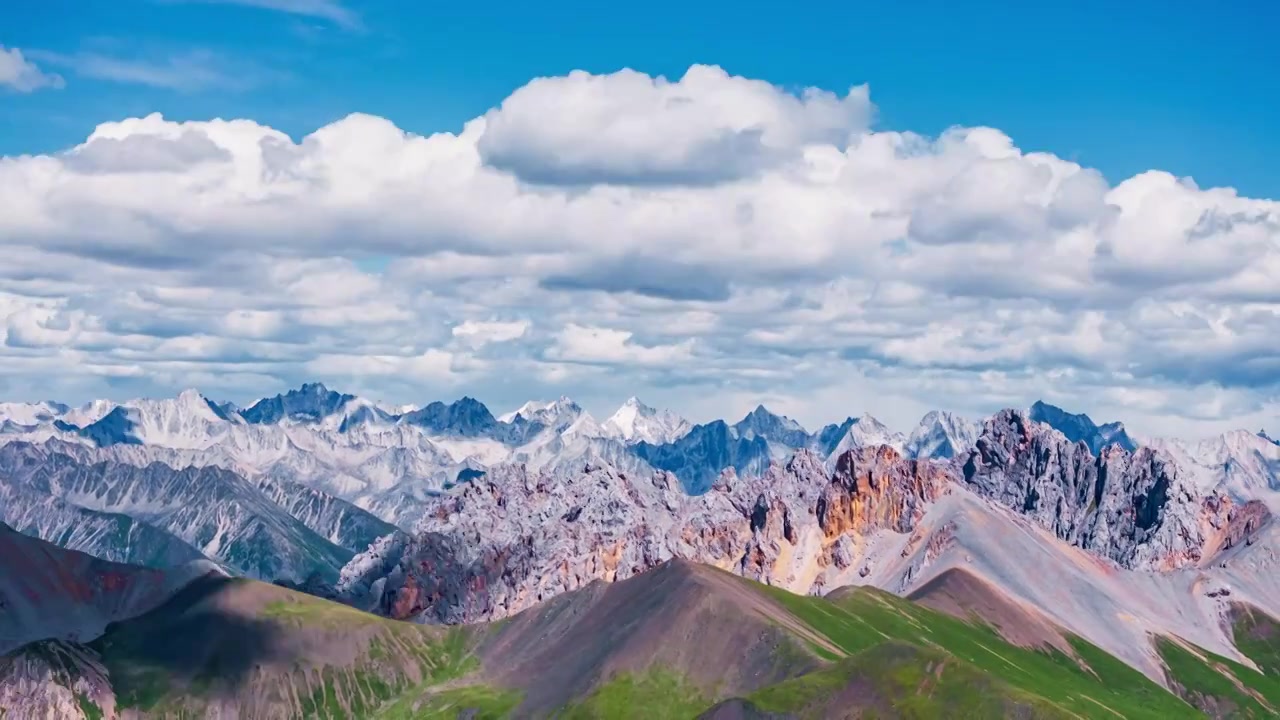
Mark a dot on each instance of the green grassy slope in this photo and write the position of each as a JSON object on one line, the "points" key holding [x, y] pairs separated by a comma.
{"points": [[257, 650], [895, 679], [1092, 684], [275, 652], [1257, 635], [1219, 686]]}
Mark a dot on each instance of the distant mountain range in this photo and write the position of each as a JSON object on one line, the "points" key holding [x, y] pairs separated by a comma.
{"points": [[293, 486]]}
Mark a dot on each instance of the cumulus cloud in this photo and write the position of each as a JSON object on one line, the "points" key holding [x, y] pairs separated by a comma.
{"points": [[20, 74], [628, 127], [590, 235], [145, 153]]}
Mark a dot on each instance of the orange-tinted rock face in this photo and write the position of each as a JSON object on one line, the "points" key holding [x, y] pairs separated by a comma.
{"points": [[407, 602], [878, 488], [1225, 524]]}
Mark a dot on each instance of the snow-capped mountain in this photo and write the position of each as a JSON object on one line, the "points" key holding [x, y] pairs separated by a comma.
{"points": [[362, 454], [89, 413], [559, 413], [29, 414], [942, 434], [310, 403], [865, 432], [224, 517], [1244, 464], [777, 429], [189, 421], [699, 456], [636, 422]]}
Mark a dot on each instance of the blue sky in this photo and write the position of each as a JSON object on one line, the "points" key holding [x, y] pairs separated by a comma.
{"points": [[486, 204], [1188, 86]]}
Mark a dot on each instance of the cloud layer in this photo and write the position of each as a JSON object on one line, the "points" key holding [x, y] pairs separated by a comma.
{"points": [[706, 242], [17, 73]]}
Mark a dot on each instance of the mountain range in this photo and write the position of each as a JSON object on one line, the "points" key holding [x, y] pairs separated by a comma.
{"points": [[682, 640], [1038, 521]]}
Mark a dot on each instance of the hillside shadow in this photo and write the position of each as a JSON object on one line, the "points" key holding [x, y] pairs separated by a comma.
{"points": [[199, 638]]}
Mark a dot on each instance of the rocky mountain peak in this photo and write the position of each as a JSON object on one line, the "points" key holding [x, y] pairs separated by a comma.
{"points": [[1081, 428], [635, 422], [1133, 508], [864, 432], [774, 428], [312, 402], [465, 417], [942, 434]]}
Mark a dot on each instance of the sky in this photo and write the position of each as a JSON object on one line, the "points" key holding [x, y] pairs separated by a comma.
{"points": [[875, 208]]}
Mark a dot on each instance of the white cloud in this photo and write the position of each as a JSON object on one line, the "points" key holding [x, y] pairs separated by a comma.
{"points": [[833, 268], [628, 127], [20, 74], [578, 343], [479, 333], [432, 365], [189, 71]]}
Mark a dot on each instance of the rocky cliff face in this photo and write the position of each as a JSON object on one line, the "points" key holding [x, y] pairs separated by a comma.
{"points": [[1131, 508], [55, 679], [513, 538]]}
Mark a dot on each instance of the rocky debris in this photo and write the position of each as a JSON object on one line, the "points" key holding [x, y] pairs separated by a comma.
{"points": [[938, 542], [878, 488], [109, 536], [515, 538], [1131, 508], [54, 679]]}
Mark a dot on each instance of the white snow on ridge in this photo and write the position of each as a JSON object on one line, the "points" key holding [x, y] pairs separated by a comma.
{"points": [[637, 422], [28, 414], [89, 413], [867, 432], [1245, 465]]}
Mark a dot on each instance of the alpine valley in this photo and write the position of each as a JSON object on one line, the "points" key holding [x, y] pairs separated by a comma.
{"points": [[316, 554]]}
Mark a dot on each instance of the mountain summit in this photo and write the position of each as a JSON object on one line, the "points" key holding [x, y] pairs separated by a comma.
{"points": [[1082, 428], [637, 422], [310, 403], [775, 428]]}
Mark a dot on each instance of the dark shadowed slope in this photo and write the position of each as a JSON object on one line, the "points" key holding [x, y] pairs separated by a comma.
{"points": [[714, 632], [49, 592], [963, 595], [226, 647]]}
